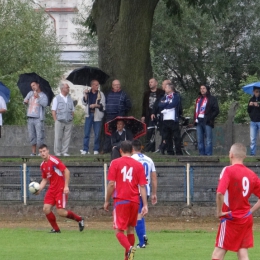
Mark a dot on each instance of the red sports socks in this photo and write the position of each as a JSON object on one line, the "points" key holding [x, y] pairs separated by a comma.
{"points": [[123, 240], [131, 239], [52, 219], [73, 216]]}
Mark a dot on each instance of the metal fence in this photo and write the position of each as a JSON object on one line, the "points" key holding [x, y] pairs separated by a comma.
{"points": [[87, 183]]}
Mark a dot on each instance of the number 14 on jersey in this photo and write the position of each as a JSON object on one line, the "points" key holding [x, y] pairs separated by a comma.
{"points": [[127, 174]]}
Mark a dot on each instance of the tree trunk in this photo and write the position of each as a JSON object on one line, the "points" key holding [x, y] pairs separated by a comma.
{"points": [[124, 32]]}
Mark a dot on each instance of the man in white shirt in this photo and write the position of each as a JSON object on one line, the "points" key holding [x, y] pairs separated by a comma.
{"points": [[3, 109], [62, 113]]}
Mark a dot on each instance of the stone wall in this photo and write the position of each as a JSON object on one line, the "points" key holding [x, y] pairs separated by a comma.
{"points": [[14, 141]]}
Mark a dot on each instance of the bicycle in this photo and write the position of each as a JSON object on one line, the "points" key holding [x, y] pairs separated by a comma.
{"points": [[189, 144]]}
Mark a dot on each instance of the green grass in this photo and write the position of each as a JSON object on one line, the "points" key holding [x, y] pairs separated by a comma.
{"points": [[21, 244]]}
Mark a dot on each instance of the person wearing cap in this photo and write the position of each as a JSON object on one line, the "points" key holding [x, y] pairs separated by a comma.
{"points": [[253, 110], [205, 112]]}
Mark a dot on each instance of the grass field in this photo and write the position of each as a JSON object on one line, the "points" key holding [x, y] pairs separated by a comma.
{"points": [[28, 243]]}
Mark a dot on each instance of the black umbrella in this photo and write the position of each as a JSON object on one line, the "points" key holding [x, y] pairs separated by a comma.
{"points": [[137, 128], [24, 84], [84, 75]]}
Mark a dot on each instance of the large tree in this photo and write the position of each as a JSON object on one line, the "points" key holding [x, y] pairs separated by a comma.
{"points": [[28, 43], [124, 31]]}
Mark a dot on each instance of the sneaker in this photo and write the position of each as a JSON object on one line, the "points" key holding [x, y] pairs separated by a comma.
{"points": [[131, 253], [81, 224], [96, 152], [58, 154], [66, 154], [33, 154], [138, 246], [84, 152], [145, 240], [53, 231]]}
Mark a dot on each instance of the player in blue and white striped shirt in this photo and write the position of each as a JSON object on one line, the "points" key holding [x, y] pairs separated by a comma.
{"points": [[151, 177]]}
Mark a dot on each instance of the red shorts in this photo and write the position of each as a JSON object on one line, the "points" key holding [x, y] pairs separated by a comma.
{"points": [[56, 198], [125, 214], [235, 234]]}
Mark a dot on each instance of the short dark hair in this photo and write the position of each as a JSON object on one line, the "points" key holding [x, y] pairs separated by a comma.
{"points": [[126, 146], [43, 146], [137, 145], [256, 88]]}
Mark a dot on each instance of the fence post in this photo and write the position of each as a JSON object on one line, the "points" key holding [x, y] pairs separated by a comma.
{"points": [[24, 184], [105, 178], [188, 184]]}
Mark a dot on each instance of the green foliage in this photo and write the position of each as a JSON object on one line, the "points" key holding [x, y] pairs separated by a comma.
{"points": [[79, 116], [28, 44], [204, 47], [241, 113]]}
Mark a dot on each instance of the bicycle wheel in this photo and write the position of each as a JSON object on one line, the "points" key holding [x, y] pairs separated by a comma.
{"points": [[189, 142]]}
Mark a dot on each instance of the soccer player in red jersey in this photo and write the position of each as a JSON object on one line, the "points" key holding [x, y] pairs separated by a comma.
{"points": [[54, 171], [236, 184], [125, 177]]}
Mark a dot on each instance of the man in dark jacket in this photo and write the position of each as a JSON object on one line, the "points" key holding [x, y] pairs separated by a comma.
{"points": [[206, 110], [170, 109], [121, 134], [118, 103], [149, 99], [253, 110]]}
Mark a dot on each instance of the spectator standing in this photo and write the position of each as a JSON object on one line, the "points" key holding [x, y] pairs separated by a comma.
{"points": [[126, 176], [253, 110], [121, 134], [62, 113], [37, 101], [94, 102], [149, 99], [157, 116], [151, 177], [170, 108], [117, 104], [58, 175], [3, 109], [236, 184], [206, 110]]}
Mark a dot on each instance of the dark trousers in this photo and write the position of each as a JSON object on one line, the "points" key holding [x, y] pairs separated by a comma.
{"points": [[150, 137], [171, 130]]}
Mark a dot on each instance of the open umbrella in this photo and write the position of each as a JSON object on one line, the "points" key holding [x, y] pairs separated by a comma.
{"points": [[136, 126], [4, 92], [24, 84], [84, 75], [250, 87]]}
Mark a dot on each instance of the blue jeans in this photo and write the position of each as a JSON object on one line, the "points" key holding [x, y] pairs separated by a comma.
{"points": [[204, 136], [254, 128], [89, 121]]}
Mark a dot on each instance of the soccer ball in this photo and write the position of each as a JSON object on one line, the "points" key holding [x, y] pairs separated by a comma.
{"points": [[34, 187]]}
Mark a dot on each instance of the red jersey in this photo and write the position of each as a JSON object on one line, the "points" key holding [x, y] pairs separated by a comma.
{"points": [[237, 183], [127, 174], [53, 170]]}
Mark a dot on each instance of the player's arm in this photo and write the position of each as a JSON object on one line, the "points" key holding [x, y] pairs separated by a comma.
{"points": [[67, 180], [144, 198], [42, 185], [220, 202], [110, 190], [154, 188], [255, 207]]}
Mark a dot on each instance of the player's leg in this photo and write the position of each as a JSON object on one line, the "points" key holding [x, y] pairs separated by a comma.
{"points": [[61, 200], [218, 253], [242, 254], [139, 228], [47, 209], [121, 214]]}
